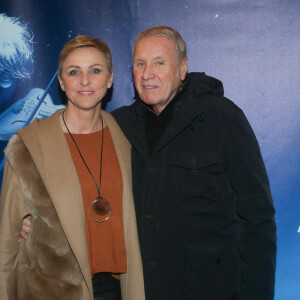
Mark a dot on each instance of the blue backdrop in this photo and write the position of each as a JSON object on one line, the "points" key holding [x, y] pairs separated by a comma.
{"points": [[252, 46]]}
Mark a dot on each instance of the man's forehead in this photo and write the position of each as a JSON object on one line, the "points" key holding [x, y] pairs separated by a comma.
{"points": [[155, 40], [156, 47]]}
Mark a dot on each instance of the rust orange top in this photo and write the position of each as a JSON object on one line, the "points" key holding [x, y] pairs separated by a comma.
{"points": [[105, 241]]}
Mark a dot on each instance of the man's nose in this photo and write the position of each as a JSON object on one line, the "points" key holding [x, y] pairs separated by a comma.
{"points": [[148, 72]]}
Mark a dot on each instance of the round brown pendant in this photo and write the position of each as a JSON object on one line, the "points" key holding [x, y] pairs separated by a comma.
{"points": [[101, 206]]}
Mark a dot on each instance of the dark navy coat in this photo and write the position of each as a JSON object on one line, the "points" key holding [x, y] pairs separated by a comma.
{"points": [[204, 209]]}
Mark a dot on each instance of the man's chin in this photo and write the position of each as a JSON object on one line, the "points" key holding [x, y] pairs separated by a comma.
{"points": [[150, 100]]}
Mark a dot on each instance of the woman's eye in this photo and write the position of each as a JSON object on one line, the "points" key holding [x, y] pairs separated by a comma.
{"points": [[95, 71], [73, 72]]}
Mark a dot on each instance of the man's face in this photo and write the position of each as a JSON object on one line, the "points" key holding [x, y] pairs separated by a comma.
{"points": [[157, 71]]}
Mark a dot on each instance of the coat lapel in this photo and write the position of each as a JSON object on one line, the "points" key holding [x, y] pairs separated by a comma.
{"points": [[176, 126], [136, 135], [136, 127]]}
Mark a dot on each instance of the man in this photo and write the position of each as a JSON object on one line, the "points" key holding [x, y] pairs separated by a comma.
{"points": [[204, 209]]}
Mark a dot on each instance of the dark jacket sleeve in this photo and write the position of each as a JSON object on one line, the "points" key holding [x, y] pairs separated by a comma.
{"points": [[254, 207]]}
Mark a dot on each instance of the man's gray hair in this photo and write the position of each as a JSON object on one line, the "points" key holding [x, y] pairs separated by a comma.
{"points": [[169, 33]]}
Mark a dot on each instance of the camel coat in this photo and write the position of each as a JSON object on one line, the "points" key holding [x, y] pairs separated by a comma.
{"points": [[40, 179]]}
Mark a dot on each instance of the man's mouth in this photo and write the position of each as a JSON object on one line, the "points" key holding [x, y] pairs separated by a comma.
{"points": [[149, 87]]}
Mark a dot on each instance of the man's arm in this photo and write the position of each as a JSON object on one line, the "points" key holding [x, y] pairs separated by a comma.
{"points": [[25, 228], [254, 208]]}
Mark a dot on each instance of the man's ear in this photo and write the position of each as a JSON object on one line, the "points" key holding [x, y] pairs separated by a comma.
{"points": [[183, 68], [61, 83]]}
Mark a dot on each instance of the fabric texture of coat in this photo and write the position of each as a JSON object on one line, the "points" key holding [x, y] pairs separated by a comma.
{"points": [[204, 209], [40, 179]]}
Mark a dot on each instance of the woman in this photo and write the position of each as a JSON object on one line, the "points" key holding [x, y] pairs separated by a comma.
{"points": [[71, 173]]}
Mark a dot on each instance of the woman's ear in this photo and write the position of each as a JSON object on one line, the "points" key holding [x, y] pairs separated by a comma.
{"points": [[110, 80]]}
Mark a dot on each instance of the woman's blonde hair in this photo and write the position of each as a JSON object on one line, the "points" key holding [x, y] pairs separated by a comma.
{"points": [[84, 41]]}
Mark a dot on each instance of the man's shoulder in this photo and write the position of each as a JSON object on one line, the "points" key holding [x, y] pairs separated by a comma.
{"points": [[124, 113], [217, 104], [124, 108], [208, 93], [121, 110]]}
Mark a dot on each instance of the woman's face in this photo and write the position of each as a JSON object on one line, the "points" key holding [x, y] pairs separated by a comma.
{"points": [[85, 78]]}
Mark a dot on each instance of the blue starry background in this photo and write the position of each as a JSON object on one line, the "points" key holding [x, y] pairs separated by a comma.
{"points": [[251, 46]]}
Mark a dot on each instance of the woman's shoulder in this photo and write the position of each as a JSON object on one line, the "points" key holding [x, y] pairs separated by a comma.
{"points": [[17, 154], [40, 125], [28, 137], [15, 145]]}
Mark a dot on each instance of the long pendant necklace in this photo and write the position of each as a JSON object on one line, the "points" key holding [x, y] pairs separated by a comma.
{"points": [[100, 206]]}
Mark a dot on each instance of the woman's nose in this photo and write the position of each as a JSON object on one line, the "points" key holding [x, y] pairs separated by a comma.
{"points": [[85, 79]]}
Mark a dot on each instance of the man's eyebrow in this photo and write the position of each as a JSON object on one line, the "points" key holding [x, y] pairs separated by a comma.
{"points": [[157, 57]]}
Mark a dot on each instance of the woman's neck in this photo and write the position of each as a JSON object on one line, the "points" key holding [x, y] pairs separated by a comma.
{"points": [[82, 122]]}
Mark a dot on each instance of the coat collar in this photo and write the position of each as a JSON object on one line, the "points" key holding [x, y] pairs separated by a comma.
{"points": [[186, 109]]}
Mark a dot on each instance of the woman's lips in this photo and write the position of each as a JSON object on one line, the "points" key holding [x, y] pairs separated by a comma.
{"points": [[85, 92]]}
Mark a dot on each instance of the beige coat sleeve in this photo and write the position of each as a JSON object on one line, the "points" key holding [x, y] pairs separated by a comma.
{"points": [[12, 212]]}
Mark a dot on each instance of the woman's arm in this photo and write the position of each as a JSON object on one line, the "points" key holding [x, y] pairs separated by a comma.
{"points": [[12, 212]]}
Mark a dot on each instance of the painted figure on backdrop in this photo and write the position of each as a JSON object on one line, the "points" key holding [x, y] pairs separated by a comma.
{"points": [[16, 64]]}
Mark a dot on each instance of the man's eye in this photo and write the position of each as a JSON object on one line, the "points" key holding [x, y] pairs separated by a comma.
{"points": [[95, 71], [159, 63], [73, 72], [140, 64]]}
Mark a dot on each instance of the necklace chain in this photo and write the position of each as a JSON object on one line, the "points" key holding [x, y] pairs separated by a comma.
{"points": [[83, 160]]}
